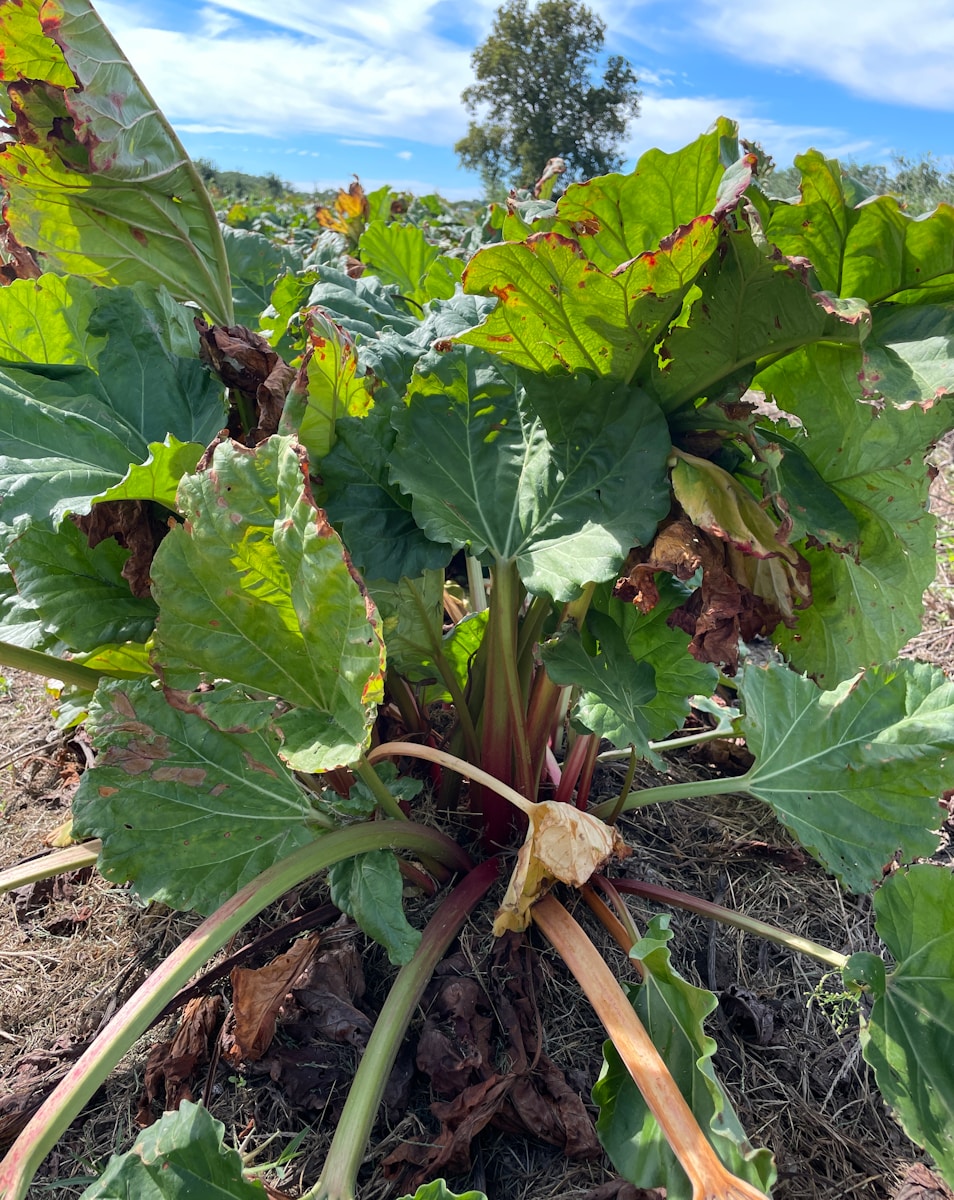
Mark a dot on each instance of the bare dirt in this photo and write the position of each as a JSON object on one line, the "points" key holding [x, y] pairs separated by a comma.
{"points": [[71, 951]]}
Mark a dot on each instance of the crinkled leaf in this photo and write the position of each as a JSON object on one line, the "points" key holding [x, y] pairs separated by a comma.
{"points": [[255, 587], [616, 217], [328, 386], [79, 593], [615, 690], [97, 182], [909, 357], [908, 1038], [750, 304], [855, 772], [559, 311], [873, 250], [181, 1157], [363, 306], [649, 639], [255, 264], [867, 603], [158, 477], [369, 888], [373, 514], [62, 442], [190, 814], [482, 472], [673, 1012]]}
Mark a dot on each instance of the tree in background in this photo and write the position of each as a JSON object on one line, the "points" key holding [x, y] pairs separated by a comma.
{"points": [[920, 184], [537, 98]]}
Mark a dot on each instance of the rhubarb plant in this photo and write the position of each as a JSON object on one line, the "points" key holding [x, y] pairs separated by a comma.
{"points": [[480, 523]]}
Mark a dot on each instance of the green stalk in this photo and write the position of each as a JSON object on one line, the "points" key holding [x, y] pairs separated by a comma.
{"points": [[72, 858], [715, 912], [340, 1172], [134, 1018], [379, 789], [530, 629], [505, 752], [48, 664], [674, 791]]}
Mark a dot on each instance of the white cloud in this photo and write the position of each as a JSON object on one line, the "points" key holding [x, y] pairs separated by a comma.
{"points": [[671, 122], [265, 84], [361, 142], [405, 154], [880, 49]]}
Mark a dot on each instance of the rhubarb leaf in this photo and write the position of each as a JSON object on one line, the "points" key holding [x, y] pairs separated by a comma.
{"points": [[908, 1038], [369, 888], [257, 566], [182, 1155], [190, 814], [159, 476], [615, 690], [853, 773], [559, 311], [255, 264], [98, 184], [866, 603], [566, 505], [673, 1012], [438, 1190], [372, 513], [411, 613], [617, 217], [79, 593]]}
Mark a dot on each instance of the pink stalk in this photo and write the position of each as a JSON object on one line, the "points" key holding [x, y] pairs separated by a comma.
{"points": [[710, 1180]]}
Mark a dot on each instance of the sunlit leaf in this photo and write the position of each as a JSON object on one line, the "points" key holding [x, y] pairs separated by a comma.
{"points": [[369, 888]]}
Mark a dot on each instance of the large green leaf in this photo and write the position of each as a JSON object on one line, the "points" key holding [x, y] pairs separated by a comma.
{"points": [[615, 690], [370, 889], [559, 311], [750, 304], [617, 217], [564, 483], [181, 1157], [412, 612], [866, 603], [909, 358], [908, 1038], [673, 1012], [329, 385], [874, 250], [255, 588], [855, 772], [46, 320], [650, 639], [79, 593], [188, 813], [158, 477], [97, 182], [372, 513], [62, 442], [255, 264], [399, 254]]}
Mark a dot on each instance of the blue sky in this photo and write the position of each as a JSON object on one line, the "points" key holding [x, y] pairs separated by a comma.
{"points": [[317, 92]]}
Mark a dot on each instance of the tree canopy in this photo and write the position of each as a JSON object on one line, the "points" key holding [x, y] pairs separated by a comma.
{"points": [[538, 94]]}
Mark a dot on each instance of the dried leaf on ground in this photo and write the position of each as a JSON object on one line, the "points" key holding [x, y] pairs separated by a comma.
{"points": [[171, 1065], [257, 996]]}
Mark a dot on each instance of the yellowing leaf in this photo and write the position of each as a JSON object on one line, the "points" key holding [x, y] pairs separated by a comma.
{"points": [[562, 844]]}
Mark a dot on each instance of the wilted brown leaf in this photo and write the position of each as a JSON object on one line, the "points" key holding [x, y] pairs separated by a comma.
{"points": [[171, 1065], [246, 363], [257, 996], [562, 843], [136, 527]]}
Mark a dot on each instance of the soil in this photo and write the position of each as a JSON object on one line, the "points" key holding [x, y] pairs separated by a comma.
{"points": [[72, 950]]}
